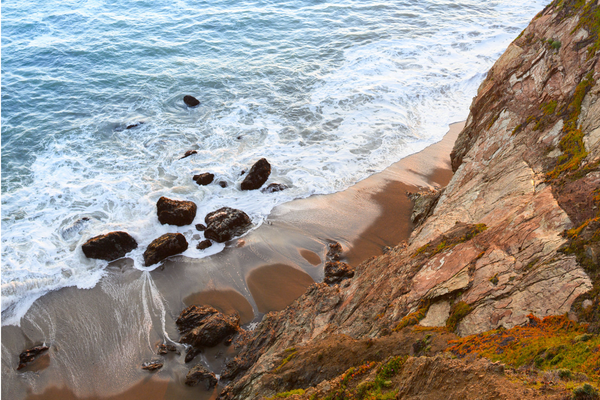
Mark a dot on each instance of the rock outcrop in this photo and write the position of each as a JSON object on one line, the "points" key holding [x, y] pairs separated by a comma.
{"points": [[165, 246], [205, 326], [226, 223], [200, 374], [110, 246], [502, 240], [175, 212], [258, 175]]}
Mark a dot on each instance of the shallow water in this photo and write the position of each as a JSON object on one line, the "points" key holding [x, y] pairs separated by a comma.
{"points": [[329, 92]]}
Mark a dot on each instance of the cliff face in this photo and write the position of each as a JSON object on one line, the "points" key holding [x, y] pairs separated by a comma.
{"points": [[516, 230]]}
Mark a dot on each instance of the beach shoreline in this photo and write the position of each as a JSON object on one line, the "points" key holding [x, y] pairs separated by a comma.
{"points": [[111, 329]]}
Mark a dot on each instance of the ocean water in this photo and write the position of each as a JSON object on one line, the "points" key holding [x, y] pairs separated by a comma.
{"points": [[329, 92]]}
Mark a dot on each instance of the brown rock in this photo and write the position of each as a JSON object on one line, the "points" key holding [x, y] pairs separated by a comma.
{"points": [[191, 101], [205, 244], [175, 212], [200, 374], [188, 153], [165, 246], [110, 246], [29, 355], [204, 179], [258, 175], [274, 187], [226, 223], [152, 366], [337, 271], [205, 326]]}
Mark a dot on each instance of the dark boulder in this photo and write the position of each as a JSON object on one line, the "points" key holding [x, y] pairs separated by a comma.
{"points": [[200, 374], [165, 246], [226, 223], [175, 212], [337, 271], [258, 175], [205, 244], [205, 326], [30, 355], [274, 187], [200, 227], [204, 179], [191, 101], [191, 354], [188, 153], [152, 365], [223, 184], [110, 246], [334, 251]]}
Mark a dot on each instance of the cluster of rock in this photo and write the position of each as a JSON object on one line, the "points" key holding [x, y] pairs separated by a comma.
{"points": [[335, 270]]}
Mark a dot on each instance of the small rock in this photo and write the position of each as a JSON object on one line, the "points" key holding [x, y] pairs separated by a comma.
{"points": [[337, 271], [200, 374], [188, 153], [110, 246], [134, 125], [152, 365], [175, 212], [223, 184], [204, 179], [258, 175], [205, 244], [200, 227], [191, 101], [274, 187], [225, 223], [30, 355], [165, 246]]}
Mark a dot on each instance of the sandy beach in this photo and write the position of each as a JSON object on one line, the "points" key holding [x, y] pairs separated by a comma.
{"points": [[99, 337]]}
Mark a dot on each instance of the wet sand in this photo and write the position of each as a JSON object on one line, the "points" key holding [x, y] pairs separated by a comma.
{"points": [[99, 337]]}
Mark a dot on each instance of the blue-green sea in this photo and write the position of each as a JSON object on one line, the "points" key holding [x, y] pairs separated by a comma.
{"points": [[329, 92]]}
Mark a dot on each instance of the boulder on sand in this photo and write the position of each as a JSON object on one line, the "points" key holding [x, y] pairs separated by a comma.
{"points": [[190, 101], [225, 223], [165, 246], [258, 175], [175, 212], [110, 246], [30, 355], [204, 326]]}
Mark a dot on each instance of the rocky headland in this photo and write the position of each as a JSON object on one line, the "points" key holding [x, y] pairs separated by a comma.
{"points": [[513, 240]]}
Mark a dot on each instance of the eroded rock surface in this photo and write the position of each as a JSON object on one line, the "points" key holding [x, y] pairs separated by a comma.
{"points": [[110, 246]]}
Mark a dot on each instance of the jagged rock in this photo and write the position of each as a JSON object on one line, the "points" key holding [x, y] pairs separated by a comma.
{"points": [[424, 203], [175, 212], [258, 175], [152, 365], [200, 374], [226, 223], [205, 326], [337, 271], [109, 246], [200, 227], [274, 187], [334, 251], [165, 246], [205, 244], [30, 355], [188, 153], [204, 179], [191, 101]]}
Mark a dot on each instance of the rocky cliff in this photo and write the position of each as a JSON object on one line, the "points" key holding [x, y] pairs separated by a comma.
{"points": [[516, 232]]}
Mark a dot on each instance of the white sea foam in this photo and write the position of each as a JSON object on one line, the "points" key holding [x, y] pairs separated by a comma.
{"points": [[323, 123]]}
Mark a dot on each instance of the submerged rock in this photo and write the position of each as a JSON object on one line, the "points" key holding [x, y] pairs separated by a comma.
{"points": [[30, 355], [200, 374], [134, 125], [110, 246], [258, 175], [70, 231], [274, 187], [175, 212], [191, 101], [226, 223], [204, 179], [188, 153], [205, 326], [165, 246]]}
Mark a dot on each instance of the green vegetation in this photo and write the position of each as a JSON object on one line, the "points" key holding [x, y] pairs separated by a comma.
{"points": [[585, 392], [413, 318], [458, 311], [555, 44], [446, 243], [293, 353], [548, 344], [494, 279], [287, 394]]}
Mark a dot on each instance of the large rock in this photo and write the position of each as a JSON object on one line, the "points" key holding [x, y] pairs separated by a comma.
{"points": [[110, 246], [191, 101], [165, 246], [205, 326], [175, 212], [225, 223], [200, 374], [204, 179], [257, 176]]}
